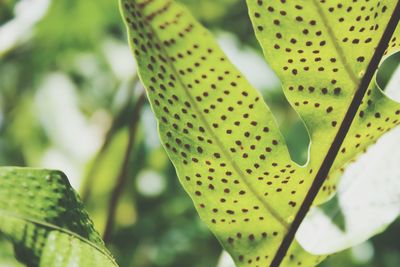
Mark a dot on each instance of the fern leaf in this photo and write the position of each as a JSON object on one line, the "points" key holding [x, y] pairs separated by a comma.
{"points": [[222, 138], [42, 215]]}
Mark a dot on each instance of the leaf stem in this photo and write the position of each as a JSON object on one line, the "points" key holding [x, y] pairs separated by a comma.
{"points": [[91, 174], [123, 174], [339, 138]]}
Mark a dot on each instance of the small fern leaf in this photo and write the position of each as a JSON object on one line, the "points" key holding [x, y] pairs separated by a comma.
{"points": [[42, 215]]}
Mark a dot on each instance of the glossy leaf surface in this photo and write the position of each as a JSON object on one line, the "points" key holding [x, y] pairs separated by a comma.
{"points": [[42, 215]]}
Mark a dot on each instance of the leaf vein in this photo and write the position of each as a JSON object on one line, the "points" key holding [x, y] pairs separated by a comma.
{"points": [[268, 207]]}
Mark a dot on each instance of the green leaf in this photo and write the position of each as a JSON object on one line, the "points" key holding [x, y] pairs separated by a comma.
{"points": [[394, 44], [42, 215], [223, 140], [320, 50], [354, 202]]}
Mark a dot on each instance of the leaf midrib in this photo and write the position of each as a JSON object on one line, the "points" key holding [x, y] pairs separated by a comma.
{"points": [[7, 214], [337, 142], [269, 208]]}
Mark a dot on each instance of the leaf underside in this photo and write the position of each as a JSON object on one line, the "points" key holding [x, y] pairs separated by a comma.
{"points": [[222, 138], [43, 217], [321, 62]]}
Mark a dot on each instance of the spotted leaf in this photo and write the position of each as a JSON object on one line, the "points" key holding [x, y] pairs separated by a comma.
{"points": [[394, 45], [41, 214], [220, 135], [324, 49]]}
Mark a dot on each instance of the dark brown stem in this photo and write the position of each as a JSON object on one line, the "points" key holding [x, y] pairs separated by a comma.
{"points": [[339, 138], [123, 174], [90, 177]]}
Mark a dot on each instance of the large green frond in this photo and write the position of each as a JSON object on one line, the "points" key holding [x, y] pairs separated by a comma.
{"points": [[220, 135]]}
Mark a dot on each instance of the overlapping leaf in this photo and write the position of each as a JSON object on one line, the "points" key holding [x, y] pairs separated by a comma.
{"points": [[368, 192], [220, 135], [42, 215], [320, 50]]}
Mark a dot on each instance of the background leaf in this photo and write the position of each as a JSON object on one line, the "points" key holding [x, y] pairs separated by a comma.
{"points": [[41, 214]]}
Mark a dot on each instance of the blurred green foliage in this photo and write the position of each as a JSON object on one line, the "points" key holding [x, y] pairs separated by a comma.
{"points": [[78, 40]]}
